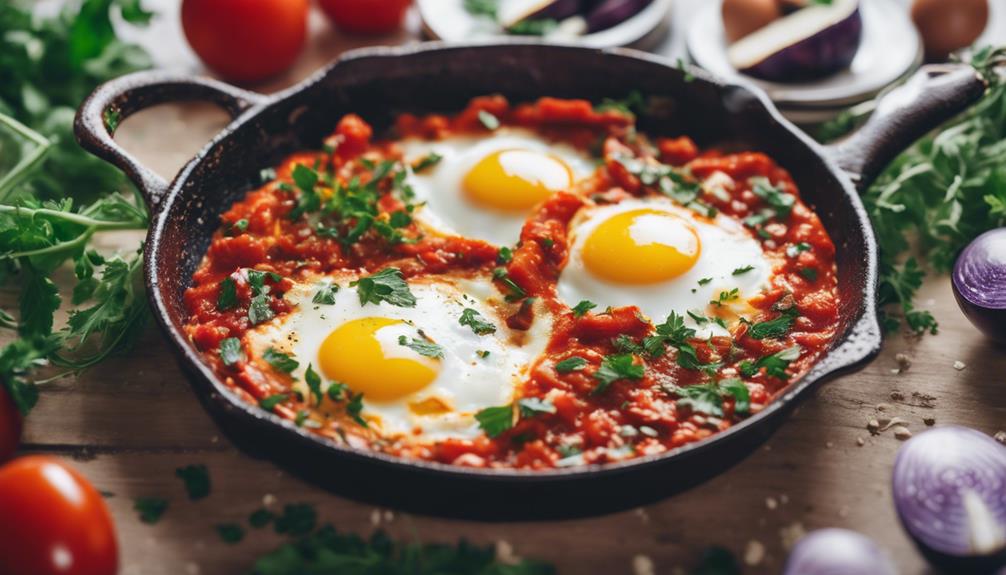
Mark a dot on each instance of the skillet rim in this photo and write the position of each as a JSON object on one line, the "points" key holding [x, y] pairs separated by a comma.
{"points": [[863, 334]]}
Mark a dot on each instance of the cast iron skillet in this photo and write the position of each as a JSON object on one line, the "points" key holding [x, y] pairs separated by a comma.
{"points": [[378, 83]]}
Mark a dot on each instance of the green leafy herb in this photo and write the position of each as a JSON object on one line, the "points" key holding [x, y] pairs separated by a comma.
{"points": [[280, 361], [230, 533], [354, 408], [809, 274], [297, 519], [614, 368], [571, 364], [313, 381], [259, 310], [775, 365], [726, 296], [230, 351], [196, 479], [581, 309], [668, 180], [533, 27], [630, 105], [796, 249], [708, 398], [270, 403], [422, 346], [337, 391], [387, 285], [482, 353], [504, 256], [151, 509], [325, 294], [743, 270], [426, 162], [228, 296], [705, 281], [531, 406], [260, 518], [517, 293], [474, 320], [495, 420], [488, 120], [774, 328], [481, 7]]}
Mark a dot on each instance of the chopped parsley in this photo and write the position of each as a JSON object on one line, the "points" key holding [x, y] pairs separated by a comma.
{"points": [[504, 256], [581, 309], [494, 421], [669, 181], [775, 365], [705, 281], [422, 347], [325, 294], [809, 274], [260, 518], [774, 328], [570, 364], [308, 200], [427, 161], [313, 381], [797, 249], [614, 368], [473, 319], [625, 344], [482, 353], [196, 479], [259, 310], [228, 296], [354, 407], [531, 406], [516, 292], [230, 533], [488, 120], [230, 351], [240, 225], [151, 509], [280, 361], [297, 519], [269, 403], [708, 398], [726, 296], [387, 285], [781, 202], [743, 270]]}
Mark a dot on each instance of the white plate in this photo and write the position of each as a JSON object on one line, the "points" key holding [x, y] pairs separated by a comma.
{"points": [[448, 20], [891, 49]]}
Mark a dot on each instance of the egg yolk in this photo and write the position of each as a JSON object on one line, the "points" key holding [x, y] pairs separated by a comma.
{"points": [[366, 356], [516, 180], [641, 247]]}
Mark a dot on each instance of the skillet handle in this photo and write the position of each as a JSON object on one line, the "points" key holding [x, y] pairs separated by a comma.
{"points": [[102, 112], [932, 96]]}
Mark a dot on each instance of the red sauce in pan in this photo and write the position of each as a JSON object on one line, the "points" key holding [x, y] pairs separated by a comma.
{"points": [[632, 417]]}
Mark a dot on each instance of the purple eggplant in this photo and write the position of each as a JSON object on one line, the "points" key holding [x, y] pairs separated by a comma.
{"points": [[610, 13]]}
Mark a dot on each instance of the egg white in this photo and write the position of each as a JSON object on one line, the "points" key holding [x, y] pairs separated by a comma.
{"points": [[465, 381], [726, 246], [448, 209]]}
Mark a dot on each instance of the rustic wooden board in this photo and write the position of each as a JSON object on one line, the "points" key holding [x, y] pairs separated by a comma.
{"points": [[130, 422]]}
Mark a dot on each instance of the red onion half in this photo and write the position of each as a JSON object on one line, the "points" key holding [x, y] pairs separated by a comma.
{"points": [[949, 490], [838, 552], [980, 283]]}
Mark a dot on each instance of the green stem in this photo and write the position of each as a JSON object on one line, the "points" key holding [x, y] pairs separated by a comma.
{"points": [[29, 162], [98, 225]]}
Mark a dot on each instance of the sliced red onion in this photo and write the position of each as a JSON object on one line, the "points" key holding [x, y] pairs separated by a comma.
{"points": [[810, 43], [949, 490], [979, 281], [516, 11], [610, 13], [838, 552]]}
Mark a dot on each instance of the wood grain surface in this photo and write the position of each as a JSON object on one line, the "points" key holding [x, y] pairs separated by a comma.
{"points": [[129, 423]]}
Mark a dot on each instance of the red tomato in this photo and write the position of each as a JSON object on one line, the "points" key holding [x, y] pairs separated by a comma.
{"points": [[366, 16], [10, 425], [246, 40], [53, 522]]}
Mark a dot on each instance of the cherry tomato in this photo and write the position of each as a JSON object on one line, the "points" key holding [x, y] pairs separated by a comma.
{"points": [[53, 522], [366, 16], [246, 40], [10, 425]]}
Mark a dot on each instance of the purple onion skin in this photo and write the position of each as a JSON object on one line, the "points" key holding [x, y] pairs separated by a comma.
{"points": [[933, 473], [610, 13], [823, 54], [979, 281], [557, 10], [837, 552]]}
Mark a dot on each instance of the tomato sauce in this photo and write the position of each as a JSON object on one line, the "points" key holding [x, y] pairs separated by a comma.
{"points": [[633, 416]]}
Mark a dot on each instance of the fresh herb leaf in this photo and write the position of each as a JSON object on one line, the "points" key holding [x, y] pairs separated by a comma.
{"points": [[474, 320], [230, 351], [228, 296], [259, 310], [531, 406], [354, 408], [796, 249], [297, 519], [151, 509], [387, 285], [743, 270], [270, 403], [614, 368], [581, 309], [570, 364], [504, 256], [775, 365], [809, 274], [422, 347], [740, 393], [325, 294], [494, 421], [260, 518], [426, 162], [280, 361], [196, 479], [230, 533], [774, 328], [313, 381]]}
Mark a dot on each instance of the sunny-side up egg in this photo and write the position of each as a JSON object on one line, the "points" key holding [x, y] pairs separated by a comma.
{"points": [[486, 186], [425, 393], [661, 257]]}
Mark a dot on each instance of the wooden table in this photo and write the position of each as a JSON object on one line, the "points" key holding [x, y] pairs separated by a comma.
{"points": [[130, 422]]}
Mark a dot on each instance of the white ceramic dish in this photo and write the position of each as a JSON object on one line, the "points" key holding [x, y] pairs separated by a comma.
{"points": [[890, 50], [448, 20]]}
